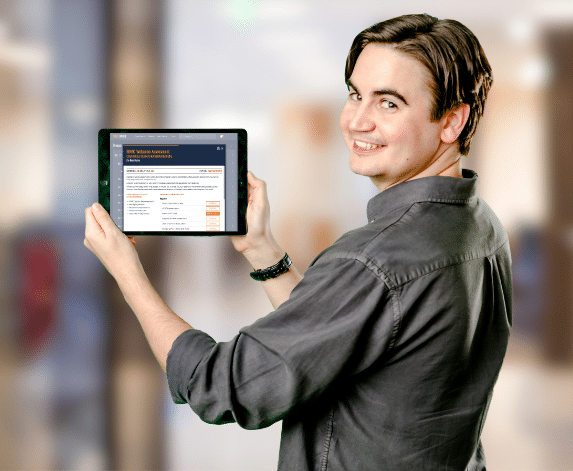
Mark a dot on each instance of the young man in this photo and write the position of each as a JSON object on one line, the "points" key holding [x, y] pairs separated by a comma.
{"points": [[385, 355]]}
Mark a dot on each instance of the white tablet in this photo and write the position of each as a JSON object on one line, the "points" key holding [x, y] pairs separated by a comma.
{"points": [[174, 181]]}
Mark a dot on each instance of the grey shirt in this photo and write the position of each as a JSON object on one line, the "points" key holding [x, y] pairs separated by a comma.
{"points": [[386, 353]]}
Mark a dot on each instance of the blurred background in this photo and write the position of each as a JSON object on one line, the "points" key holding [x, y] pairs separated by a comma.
{"points": [[79, 388]]}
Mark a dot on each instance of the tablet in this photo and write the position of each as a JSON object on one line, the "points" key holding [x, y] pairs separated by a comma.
{"points": [[174, 181]]}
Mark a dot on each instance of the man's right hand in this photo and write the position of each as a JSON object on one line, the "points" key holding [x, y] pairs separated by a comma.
{"points": [[258, 245]]}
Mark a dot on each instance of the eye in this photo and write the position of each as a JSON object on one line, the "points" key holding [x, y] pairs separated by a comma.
{"points": [[354, 96], [388, 105]]}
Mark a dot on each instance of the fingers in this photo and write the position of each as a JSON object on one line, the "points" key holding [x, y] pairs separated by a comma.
{"points": [[108, 243], [255, 182], [99, 226], [257, 187], [92, 226], [104, 220]]}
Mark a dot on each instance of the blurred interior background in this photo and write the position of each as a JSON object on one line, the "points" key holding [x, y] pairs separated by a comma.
{"points": [[79, 388]]}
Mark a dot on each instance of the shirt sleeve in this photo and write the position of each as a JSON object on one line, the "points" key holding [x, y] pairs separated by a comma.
{"points": [[338, 320]]}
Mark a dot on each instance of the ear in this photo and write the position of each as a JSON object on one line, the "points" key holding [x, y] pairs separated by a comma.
{"points": [[454, 122]]}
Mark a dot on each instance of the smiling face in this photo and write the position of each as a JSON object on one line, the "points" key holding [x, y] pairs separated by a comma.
{"points": [[386, 120]]}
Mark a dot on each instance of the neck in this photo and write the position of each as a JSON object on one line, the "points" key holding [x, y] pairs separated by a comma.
{"points": [[454, 170], [446, 164]]}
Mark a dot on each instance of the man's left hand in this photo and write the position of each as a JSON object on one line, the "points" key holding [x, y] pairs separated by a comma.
{"points": [[113, 248]]}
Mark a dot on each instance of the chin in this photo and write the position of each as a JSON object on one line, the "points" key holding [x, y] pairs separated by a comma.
{"points": [[360, 166]]}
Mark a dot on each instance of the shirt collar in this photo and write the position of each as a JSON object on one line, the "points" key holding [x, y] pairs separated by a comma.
{"points": [[438, 189]]}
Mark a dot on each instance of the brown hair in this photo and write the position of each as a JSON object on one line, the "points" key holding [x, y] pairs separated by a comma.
{"points": [[460, 71]]}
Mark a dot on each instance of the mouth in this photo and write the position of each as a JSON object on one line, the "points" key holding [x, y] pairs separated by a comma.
{"points": [[363, 147]]}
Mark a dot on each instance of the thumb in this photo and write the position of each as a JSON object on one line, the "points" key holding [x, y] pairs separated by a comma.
{"points": [[253, 181], [256, 186], [103, 218]]}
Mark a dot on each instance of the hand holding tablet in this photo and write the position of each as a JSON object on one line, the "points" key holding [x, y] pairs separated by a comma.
{"points": [[174, 181]]}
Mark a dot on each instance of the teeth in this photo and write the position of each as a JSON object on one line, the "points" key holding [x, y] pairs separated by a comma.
{"points": [[366, 145]]}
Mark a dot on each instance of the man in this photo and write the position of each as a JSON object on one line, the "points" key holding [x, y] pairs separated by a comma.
{"points": [[384, 356]]}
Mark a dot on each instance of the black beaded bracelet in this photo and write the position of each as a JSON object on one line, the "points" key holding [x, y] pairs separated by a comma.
{"points": [[282, 266]]}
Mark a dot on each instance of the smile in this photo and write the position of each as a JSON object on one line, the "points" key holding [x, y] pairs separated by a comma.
{"points": [[365, 146]]}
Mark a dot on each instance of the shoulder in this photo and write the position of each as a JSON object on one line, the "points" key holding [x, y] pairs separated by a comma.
{"points": [[420, 238]]}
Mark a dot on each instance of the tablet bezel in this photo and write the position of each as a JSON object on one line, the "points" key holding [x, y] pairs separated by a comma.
{"points": [[243, 192]]}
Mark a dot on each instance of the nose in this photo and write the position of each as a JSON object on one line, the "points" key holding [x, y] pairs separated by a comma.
{"points": [[361, 119]]}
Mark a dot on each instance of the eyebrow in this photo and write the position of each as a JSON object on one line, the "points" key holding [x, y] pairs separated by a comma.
{"points": [[383, 91]]}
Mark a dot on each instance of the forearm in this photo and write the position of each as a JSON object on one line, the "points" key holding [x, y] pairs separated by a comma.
{"points": [[117, 253], [278, 289], [260, 247], [160, 324]]}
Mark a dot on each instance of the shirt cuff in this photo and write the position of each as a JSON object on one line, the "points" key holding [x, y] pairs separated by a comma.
{"points": [[186, 353]]}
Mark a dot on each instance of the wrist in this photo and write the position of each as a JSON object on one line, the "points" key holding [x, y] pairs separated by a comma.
{"points": [[278, 269], [264, 256]]}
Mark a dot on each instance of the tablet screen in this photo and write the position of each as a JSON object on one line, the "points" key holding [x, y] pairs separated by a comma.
{"points": [[174, 181]]}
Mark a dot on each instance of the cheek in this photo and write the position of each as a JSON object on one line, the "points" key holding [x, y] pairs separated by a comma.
{"points": [[397, 132], [428, 137], [409, 133]]}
